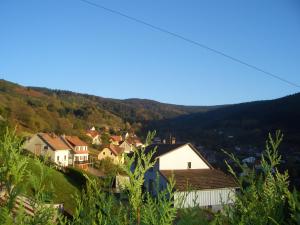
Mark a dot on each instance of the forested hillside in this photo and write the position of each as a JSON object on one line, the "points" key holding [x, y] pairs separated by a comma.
{"points": [[244, 123], [40, 109]]}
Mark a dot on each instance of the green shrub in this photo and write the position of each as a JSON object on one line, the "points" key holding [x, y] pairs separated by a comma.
{"points": [[263, 198]]}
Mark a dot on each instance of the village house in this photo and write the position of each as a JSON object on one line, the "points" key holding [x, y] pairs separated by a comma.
{"points": [[50, 146], [130, 144], [197, 183], [114, 152], [62, 150], [79, 156], [126, 146], [94, 135], [134, 141], [115, 139]]}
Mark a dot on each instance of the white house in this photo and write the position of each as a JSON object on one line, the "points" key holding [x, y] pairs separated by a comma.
{"points": [[126, 146], [114, 152], [79, 155], [197, 183], [49, 145], [62, 150], [94, 135]]}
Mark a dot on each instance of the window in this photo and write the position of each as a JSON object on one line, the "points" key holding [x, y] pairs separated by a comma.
{"points": [[57, 158], [189, 165], [46, 147], [103, 153], [65, 157]]}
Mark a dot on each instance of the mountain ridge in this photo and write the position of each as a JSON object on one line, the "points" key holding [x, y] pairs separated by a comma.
{"points": [[42, 109]]}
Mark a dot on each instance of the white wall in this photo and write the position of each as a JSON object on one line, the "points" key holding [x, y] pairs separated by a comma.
{"points": [[63, 157], [204, 198], [178, 159], [81, 157]]}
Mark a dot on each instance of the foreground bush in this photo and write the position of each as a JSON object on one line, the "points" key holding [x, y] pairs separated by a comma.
{"points": [[264, 197]]}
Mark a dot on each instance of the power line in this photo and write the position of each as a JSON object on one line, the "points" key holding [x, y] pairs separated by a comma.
{"points": [[191, 42]]}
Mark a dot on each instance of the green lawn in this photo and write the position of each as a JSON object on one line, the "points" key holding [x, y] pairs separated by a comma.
{"points": [[64, 188]]}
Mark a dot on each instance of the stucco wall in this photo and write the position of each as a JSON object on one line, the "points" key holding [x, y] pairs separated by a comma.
{"points": [[179, 158], [105, 153], [63, 157], [108, 154], [30, 145], [126, 146]]}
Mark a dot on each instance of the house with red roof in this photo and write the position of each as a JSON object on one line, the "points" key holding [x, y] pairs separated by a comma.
{"points": [[115, 139], [50, 146], [94, 135], [114, 152], [127, 146], [62, 150], [79, 151]]}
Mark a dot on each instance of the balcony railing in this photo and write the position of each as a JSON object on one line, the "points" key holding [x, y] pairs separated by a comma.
{"points": [[81, 162]]}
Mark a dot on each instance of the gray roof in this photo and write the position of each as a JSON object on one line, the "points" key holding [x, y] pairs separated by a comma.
{"points": [[200, 179]]}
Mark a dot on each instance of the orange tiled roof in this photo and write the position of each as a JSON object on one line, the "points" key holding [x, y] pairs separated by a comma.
{"points": [[55, 142], [133, 140], [75, 141], [92, 133], [116, 150], [116, 138], [80, 151]]}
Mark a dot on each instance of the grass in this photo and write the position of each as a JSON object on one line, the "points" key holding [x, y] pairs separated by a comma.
{"points": [[64, 188]]}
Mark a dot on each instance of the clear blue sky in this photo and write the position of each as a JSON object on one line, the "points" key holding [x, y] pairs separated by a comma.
{"points": [[66, 44]]}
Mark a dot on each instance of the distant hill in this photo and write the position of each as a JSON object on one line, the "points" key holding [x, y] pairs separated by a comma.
{"points": [[40, 109], [244, 123]]}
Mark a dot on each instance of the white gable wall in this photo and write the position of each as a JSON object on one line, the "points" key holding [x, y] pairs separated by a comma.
{"points": [[126, 146], [178, 159], [61, 157]]}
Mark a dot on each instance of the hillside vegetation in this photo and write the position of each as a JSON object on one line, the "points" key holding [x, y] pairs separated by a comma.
{"points": [[242, 122], [40, 109]]}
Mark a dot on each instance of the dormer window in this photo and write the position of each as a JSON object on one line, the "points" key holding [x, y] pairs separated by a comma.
{"points": [[189, 165]]}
